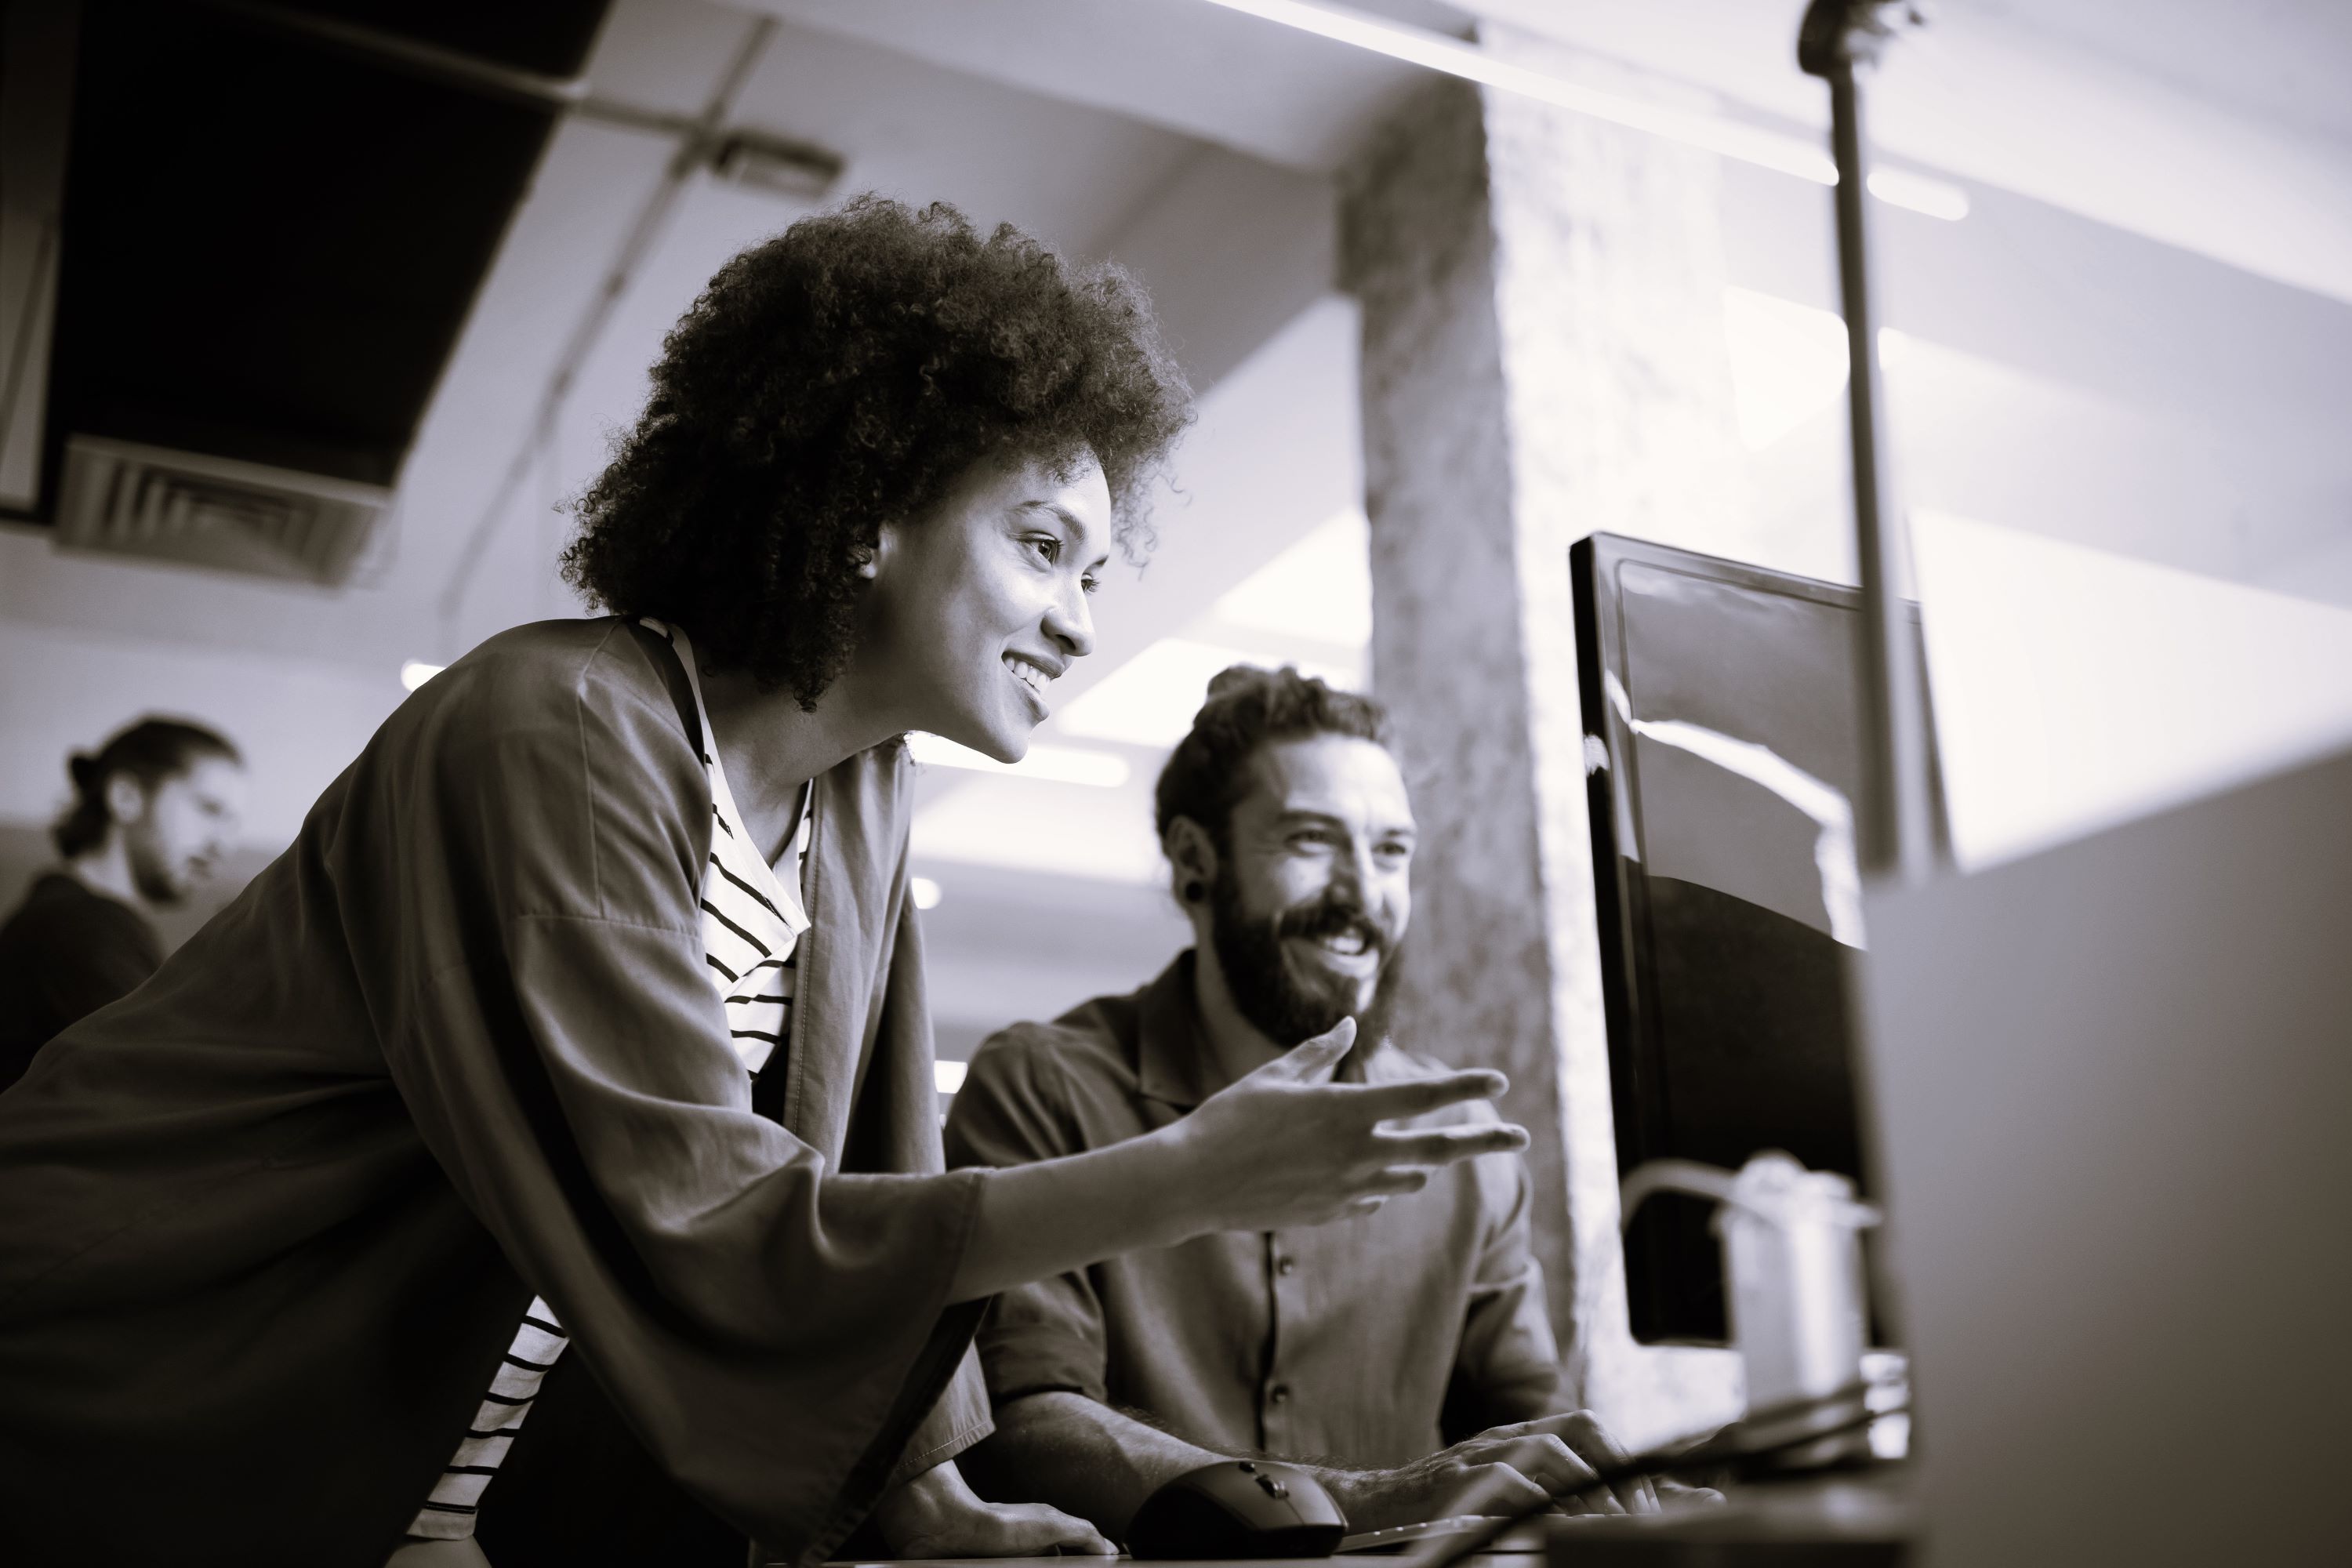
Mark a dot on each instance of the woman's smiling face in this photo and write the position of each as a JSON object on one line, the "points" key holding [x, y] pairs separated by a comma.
{"points": [[977, 605]]}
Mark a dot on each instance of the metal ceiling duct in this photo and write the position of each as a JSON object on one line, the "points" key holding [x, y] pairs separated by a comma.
{"points": [[131, 499], [275, 220]]}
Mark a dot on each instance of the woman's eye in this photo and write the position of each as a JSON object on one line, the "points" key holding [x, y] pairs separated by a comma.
{"points": [[1089, 582], [1047, 546]]}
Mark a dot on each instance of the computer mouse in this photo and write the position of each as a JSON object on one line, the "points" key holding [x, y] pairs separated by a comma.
{"points": [[1238, 1508]]}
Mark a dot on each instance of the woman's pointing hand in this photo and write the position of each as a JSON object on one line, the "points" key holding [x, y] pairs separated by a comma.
{"points": [[1286, 1146]]}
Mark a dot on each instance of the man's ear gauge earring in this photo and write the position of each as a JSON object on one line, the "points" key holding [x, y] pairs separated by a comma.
{"points": [[1192, 890]]}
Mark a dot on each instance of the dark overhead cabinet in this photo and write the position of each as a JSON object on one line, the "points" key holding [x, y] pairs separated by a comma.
{"points": [[275, 220]]}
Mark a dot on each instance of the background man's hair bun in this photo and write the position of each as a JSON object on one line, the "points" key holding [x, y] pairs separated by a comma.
{"points": [[150, 751]]}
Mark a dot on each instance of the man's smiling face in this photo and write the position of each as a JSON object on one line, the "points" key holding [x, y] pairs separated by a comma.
{"points": [[1313, 888]]}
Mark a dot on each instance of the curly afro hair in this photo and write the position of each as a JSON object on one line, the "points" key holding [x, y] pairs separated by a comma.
{"points": [[845, 373]]}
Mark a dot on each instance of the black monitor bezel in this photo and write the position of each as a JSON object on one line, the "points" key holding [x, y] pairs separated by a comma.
{"points": [[1636, 1113]]}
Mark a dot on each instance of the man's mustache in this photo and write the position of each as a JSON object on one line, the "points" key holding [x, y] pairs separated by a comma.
{"points": [[1331, 916]]}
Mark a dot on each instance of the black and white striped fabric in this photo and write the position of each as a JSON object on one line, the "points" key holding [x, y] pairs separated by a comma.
{"points": [[752, 920], [448, 1511]]}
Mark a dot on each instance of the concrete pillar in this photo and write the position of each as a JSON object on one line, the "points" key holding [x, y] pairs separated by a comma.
{"points": [[1543, 358]]}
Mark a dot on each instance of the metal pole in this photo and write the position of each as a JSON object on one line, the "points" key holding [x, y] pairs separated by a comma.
{"points": [[1895, 836]]}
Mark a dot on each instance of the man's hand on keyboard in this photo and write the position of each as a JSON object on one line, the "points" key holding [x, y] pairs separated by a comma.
{"points": [[1505, 1469]]}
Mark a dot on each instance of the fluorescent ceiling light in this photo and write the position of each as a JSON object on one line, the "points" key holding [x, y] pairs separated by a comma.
{"points": [[1101, 835], [1789, 361], [1918, 194], [1050, 765], [925, 892], [1320, 588], [1730, 139], [948, 1075], [416, 672], [1151, 699]]}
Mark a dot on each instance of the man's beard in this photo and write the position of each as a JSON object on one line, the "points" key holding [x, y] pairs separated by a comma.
{"points": [[152, 871], [1286, 1007]]}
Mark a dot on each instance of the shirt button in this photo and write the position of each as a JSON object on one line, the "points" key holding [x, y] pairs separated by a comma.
{"points": [[1279, 1395], [1287, 1265]]}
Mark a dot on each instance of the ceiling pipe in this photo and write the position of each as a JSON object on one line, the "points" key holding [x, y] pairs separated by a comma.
{"points": [[413, 57], [566, 95], [703, 141]]}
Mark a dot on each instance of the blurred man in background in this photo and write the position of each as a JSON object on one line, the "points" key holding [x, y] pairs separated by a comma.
{"points": [[1369, 1345], [153, 812]]}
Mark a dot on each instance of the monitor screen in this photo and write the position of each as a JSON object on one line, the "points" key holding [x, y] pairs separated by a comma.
{"points": [[1723, 757]]}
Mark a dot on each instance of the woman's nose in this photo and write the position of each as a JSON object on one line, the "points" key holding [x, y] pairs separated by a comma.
{"points": [[1071, 623]]}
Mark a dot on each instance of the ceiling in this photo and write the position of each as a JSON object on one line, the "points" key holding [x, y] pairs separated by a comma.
{"points": [[1196, 145], [1193, 142], [2222, 130], [293, 259], [1289, 97], [2279, 61], [1234, 247]]}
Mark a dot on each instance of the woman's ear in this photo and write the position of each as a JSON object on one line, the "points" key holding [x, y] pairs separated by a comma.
{"points": [[870, 558], [1193, 859]]}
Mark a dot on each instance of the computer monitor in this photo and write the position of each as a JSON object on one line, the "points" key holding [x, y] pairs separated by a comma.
{"points": [[2110, 1080], [1723, 757]]}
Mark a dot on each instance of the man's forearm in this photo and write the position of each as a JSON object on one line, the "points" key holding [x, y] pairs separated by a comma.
{"points": [[1081, 1456]]}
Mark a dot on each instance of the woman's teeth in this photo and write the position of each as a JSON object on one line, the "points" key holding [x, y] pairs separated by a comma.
{"points": [[1028, 674]]}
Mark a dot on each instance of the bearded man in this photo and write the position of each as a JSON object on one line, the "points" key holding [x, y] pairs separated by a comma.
{"points": [[1364, 1347], [153, 812]]}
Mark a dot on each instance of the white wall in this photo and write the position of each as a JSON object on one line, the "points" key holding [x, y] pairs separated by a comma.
{"points": [[2324, 574], [298, 720]]}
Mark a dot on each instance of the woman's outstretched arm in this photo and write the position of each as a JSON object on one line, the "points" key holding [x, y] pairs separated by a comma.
{"points": [[1281, 1147]]}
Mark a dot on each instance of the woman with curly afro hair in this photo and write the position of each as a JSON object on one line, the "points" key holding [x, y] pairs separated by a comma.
{"points": [[573, 1067]]}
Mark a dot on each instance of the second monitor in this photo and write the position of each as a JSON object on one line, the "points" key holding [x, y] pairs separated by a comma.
{"points": [[1723, 758]]}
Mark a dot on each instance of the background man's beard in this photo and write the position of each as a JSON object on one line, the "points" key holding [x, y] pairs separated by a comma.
{"points": [[152, 873], [1284, 1006]]}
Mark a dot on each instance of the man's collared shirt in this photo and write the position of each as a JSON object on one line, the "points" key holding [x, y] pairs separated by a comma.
{"points": [[1369, 1341]]}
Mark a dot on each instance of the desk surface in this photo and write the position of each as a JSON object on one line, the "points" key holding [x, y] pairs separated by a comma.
{"points": [[1484, 1560], [1850, 1508]]}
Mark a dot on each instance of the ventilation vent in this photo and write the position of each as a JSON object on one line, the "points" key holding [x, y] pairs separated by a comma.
{"points": [[132, 499]]}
